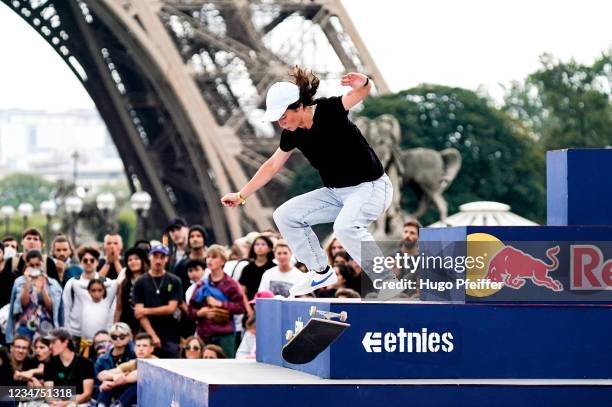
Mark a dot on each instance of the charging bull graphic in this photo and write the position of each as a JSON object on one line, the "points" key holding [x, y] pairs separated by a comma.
{"points": [[513, 266]]}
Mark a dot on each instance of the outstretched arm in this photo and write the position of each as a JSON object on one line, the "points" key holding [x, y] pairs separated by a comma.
{"points": [[361, 86], [263, 175]]}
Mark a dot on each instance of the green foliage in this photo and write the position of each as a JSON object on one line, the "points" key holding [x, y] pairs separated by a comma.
{"points": [[566, 104], [500, 161], [18, 188]]}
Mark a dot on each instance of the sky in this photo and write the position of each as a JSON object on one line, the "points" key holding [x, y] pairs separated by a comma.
{"points": [[467, 43]]}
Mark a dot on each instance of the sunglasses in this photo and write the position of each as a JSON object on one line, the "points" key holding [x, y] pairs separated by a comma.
{"points": [[193, 348], [88, 261], [120, 337]]}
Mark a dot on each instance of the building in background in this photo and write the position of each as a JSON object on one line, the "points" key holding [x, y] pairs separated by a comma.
{"points": [[44, 143]]}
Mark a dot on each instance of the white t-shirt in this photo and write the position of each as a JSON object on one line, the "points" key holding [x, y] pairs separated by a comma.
{"points": [[246, 350], [279, 282], [95, 316], [73, 304]]}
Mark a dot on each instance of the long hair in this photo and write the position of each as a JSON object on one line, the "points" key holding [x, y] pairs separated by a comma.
{"points": [[308, 84], [270, 255]]}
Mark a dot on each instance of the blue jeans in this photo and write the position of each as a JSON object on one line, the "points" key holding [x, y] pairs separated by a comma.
{"points": [[352, 209]]}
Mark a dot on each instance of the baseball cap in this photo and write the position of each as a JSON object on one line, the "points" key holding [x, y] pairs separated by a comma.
{"points": [[160, 248], [279, 97], [176, 223]]}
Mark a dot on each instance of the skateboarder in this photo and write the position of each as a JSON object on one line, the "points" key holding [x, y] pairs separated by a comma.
{"points": [[356, 189]]}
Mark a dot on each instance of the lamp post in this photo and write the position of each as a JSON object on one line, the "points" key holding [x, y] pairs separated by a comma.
{"points": [[106, 203], [48, 208], [25, 209], [141, 203], [74, 206], [7, 211]]}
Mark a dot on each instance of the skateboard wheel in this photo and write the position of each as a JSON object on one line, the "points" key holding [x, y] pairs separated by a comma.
{"points": [[343, 316], [313, 310], [289, 335]]}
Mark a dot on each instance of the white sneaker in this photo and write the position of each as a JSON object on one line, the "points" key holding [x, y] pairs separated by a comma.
{"points": [[314, 281]]}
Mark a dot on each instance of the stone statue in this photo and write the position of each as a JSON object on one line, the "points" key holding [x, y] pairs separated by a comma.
{"points": [[427, 172]]}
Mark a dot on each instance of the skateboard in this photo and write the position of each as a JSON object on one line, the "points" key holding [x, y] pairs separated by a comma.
{"points": [[306, 342]]}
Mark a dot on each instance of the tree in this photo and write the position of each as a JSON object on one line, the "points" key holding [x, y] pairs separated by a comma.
{"points": [[501, 162], [17, 188], [566, 104]]}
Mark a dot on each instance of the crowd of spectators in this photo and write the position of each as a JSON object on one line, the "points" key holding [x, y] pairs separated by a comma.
{"points": [[83, 316]]}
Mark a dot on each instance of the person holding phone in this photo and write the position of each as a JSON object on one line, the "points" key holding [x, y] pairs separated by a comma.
{"points": [[35, 301]]}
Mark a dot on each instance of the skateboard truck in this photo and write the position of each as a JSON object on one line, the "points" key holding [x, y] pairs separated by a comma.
{"points": [[298, 327], [342, 316]]}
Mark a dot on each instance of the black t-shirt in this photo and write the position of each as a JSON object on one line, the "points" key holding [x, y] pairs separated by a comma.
{"points": [[251, 276], [72, 375], [112, 272], [181, 272], [127, 305], [7, 279], [146, 292], [333, 135]]}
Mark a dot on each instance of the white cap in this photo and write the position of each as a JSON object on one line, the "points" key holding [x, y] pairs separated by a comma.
{"points": [[279, 97]]}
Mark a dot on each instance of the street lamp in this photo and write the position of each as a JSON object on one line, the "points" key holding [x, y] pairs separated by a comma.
{"points": [[106, 203], [25, 209], [141, 203], [48, 208], [74, 206], [7, 211]]}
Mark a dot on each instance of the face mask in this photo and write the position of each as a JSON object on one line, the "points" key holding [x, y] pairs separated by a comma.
{"points": [[9, 252]]}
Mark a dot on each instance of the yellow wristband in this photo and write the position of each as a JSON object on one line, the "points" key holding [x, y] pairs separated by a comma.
{"points": [[242, 199]]}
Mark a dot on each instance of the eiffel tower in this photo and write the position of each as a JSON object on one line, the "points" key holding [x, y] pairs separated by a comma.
{"points": [[180, 85]]}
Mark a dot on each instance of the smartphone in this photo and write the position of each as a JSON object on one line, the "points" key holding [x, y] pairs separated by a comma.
{"points": [[35, 273]]}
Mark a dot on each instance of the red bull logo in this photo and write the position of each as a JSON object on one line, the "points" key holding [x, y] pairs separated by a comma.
{"points": [[513, 267], [589, 270]]}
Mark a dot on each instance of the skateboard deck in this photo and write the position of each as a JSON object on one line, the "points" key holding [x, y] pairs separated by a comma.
{"points": [[312, 339]]}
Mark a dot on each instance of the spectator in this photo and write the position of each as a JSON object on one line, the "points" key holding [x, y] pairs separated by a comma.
{"points": [[156, 298], [32, 240], [101, 344], [42, 352], [120, 352], [246, 350], [120, 382], [341, 257], [73, 304], [334, 246], [344, 274], [410, 232], [196, 240], [6, 370], [35, 306], [10, 241], [214, 302], [23, 365], [112, 263], [193, 349], [63, 253], [178, 231], [212, 351], [7, 278], [347, 293], [66, 368], [195, 271], [260, 256], [137, 265], [279, 279], [97, 310], [236, 263]]}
